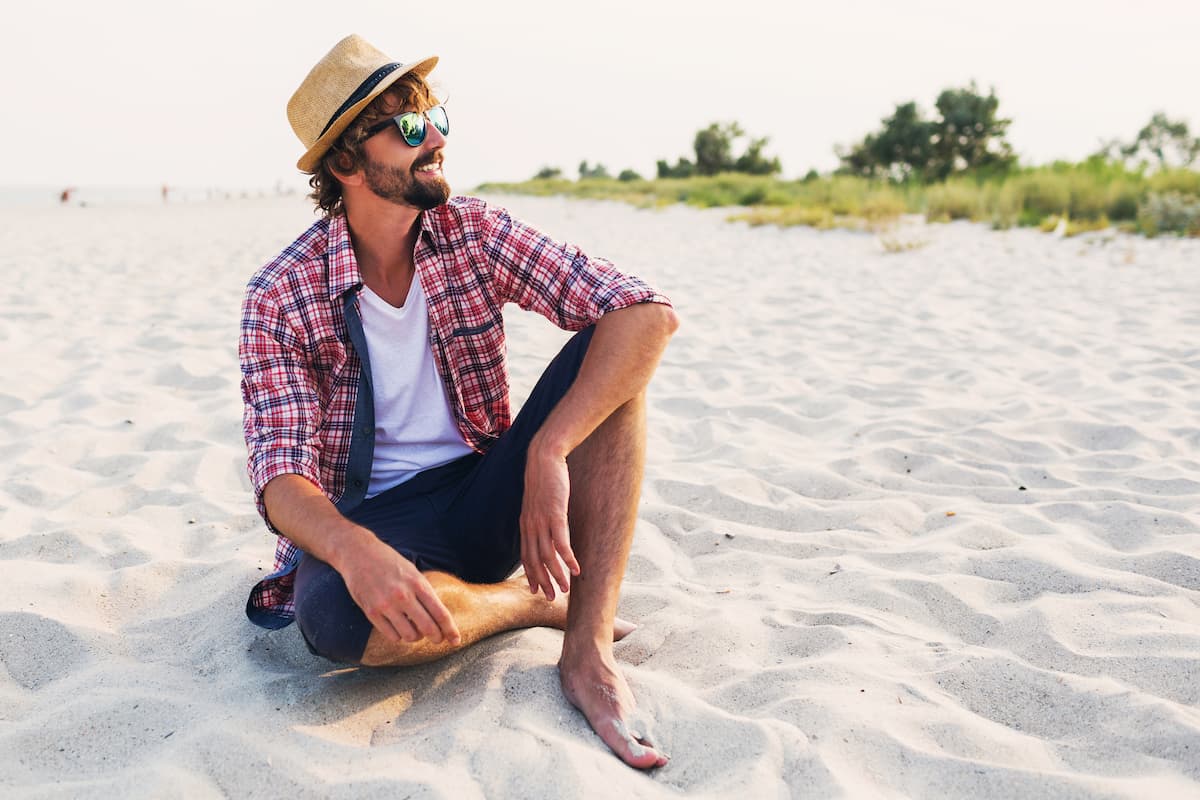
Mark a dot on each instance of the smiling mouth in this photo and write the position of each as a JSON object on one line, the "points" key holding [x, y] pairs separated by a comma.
{"points": [[433, 168]]}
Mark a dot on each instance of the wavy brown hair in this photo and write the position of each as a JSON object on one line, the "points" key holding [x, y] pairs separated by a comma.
{"points": [[345, 155]]}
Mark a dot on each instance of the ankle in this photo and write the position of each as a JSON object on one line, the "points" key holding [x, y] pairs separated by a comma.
{"points": [[584, 649]]}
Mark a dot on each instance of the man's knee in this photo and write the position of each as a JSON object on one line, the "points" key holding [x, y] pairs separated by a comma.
{"points": [[333, 627]]}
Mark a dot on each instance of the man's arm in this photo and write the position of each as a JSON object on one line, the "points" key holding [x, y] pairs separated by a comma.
{"points": [[620, 360], [391, 591], [281, 417]]}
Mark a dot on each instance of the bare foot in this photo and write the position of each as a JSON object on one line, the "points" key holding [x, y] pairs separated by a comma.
{"points": [[594, 685]]}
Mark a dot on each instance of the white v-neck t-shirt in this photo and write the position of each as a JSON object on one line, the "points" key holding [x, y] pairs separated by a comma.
{"points": [[414, 426]]}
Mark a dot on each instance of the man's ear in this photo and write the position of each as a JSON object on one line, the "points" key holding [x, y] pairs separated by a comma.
{"points": [[343, 170]]}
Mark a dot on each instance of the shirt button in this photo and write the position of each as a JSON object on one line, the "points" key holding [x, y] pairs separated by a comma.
{"points": [[358, 483], [365, 430]]}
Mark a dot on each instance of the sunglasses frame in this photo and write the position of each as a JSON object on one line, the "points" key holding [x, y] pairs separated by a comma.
{"points": [[424, 118]]}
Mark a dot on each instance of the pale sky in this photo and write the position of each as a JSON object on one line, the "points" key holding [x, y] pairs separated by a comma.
{"points": [[194, 93]]}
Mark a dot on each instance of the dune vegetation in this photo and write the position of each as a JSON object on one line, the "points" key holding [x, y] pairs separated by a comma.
{"points": [[955, 166]]}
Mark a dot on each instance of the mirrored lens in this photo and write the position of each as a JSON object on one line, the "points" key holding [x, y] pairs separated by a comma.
{"points": [[412, 127], [437, 115]]}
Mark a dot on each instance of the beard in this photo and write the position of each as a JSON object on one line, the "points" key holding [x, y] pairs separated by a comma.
{"points": [[404, 187]]}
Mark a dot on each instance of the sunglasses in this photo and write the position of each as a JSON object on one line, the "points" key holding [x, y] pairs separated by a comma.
{"points": [[412, 124]]}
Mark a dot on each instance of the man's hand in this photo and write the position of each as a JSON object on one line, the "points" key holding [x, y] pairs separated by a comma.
{"points": [[396, 597], [545, 536]]}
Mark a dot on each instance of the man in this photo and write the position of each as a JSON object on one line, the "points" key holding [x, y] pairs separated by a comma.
{"points": [[377, 412]]}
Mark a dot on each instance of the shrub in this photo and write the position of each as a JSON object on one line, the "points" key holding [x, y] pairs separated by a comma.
{"points": [[812, 216], [587, 173], [1028, 218], [1169, 213], [1050, 223], [1124, 197], [1045, 193], [1076, 227], [954, 199], [1005, 204], [1180, 181], [752, 195], [1089, 196], [882, 205], [846, 195]]}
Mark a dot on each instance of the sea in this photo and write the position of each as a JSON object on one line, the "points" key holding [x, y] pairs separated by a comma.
{"points": [[91, 196]]}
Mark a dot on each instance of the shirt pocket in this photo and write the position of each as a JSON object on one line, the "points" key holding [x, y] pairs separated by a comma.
{"points": [[329, 362]]}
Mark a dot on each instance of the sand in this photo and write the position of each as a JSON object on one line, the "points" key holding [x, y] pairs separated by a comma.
{"points": [[914, 524]]}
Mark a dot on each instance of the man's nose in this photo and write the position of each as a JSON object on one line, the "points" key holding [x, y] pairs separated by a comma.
{"points": [[433, 136]]}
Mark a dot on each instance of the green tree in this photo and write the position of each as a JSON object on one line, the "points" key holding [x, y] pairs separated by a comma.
{"points": [[587, 172], [547, 173], [903, 149], [754, 162], [1169, 142], [970, 135], [714, 147], [683, 169], [967, 136], [629, 175]]}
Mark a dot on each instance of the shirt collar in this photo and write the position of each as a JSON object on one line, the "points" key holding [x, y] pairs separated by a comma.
{"points": [[343, 266]]}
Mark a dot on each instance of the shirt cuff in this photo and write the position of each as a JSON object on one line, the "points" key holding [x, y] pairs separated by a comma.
{"points": [[292, 461]]}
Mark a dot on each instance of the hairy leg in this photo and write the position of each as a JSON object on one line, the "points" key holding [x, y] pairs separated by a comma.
{"points": [[479, 611], [606, 478]]}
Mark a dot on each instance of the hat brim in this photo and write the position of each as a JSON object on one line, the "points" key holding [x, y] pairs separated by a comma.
{"points": [[308, 162]]}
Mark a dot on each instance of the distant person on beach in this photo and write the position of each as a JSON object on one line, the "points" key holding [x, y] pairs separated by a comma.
{"points": [[377, 416]]}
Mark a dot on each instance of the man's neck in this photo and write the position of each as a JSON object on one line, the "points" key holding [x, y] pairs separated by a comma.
{"points": [[384, 236]]}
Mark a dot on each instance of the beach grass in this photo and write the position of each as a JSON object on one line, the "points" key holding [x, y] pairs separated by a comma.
{"points": [[1090, 195]]}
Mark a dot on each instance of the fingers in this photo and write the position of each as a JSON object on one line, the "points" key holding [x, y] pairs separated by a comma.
{"points": [[556, 543], [562, 545], [439, 616], [548, 558], [423, 615], [527, 558], [545, 538], [396, 627], [537, 550], [423, 622], [415, 614], [540, 575]]}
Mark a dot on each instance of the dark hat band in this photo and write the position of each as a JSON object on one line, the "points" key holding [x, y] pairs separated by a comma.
{"points": [[362, 91]]}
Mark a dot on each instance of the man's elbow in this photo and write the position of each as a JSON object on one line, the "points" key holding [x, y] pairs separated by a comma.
{"points": [[650, 321], [666, 320], [672, 320]]}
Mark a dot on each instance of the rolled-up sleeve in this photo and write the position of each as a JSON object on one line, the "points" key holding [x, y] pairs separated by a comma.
{"points": [[281, 412], [555, 279]]}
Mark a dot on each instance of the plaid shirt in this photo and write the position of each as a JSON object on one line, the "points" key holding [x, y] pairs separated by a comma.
{"points": [[300, 372]]}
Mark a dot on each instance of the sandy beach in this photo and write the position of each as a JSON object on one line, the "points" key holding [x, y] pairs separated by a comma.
{"points": [[914, 524]]}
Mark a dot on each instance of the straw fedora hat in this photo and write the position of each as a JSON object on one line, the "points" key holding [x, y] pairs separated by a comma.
{"points": [[341, 85]]}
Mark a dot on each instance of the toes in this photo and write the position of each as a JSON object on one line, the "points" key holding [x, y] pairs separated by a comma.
{"points": [[637, 750], [661, 758], [622, 628]]}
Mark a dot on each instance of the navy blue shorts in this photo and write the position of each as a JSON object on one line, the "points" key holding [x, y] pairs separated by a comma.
{"points": [[462, 518]]}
